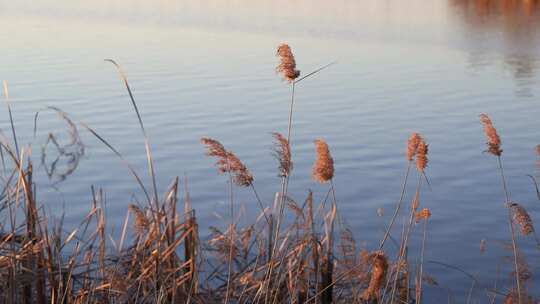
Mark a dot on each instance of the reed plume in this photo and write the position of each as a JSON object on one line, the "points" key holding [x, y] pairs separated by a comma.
{"points": [[423, 214], [141, 223], [378, 275], [421, 155], [287, 64], [493, 139], [282, 152], [323, 169], [412, 145], [521, 217], [228, 162]]}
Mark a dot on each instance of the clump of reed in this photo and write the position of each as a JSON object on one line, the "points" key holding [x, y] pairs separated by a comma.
{"points": [[517, 214], [160, 258]]}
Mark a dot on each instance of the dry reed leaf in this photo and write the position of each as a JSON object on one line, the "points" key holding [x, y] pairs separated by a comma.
{"points": [[323, 168], [493, 139], [296, 209], [287, 64]]}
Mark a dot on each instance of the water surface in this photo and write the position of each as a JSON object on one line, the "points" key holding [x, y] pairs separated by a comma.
{"points": [[207, 69]]}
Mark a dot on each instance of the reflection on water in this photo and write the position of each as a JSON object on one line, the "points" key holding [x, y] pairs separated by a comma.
{"points": [[506, 26]]}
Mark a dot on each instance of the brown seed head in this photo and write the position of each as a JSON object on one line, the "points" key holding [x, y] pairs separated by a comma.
{"points": [[521, 217], [423, 214], [378, 275], [323, 169], [228, 162], [141, 223], [282, 152], [287, 64], [421, 155], [412, 145], [493, 139]]}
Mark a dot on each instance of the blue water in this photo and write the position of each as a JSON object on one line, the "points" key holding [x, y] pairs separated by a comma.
{"points": [[207, 69]]}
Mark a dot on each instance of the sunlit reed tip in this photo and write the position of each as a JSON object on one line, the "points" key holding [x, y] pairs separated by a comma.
{"points": [[412, 145], [287, 64], [227, 162], [493, 139], [323, 169], [423, 214], [421, 155], [282, 152]]}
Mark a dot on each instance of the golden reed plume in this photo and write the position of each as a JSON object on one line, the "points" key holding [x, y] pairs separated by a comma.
{"points": [[521, 217], [421, 155], [323, 169], [282, 152], [227, 162], [493, 139], [423, 214], [412, 145], [287, 64], [378, 275]]}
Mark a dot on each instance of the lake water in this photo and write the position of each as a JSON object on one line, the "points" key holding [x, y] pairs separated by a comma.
{"points": [[207, 69]]}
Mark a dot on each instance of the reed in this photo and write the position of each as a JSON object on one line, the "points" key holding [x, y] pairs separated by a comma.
{"points": [[410, 153], [494, 147]]}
